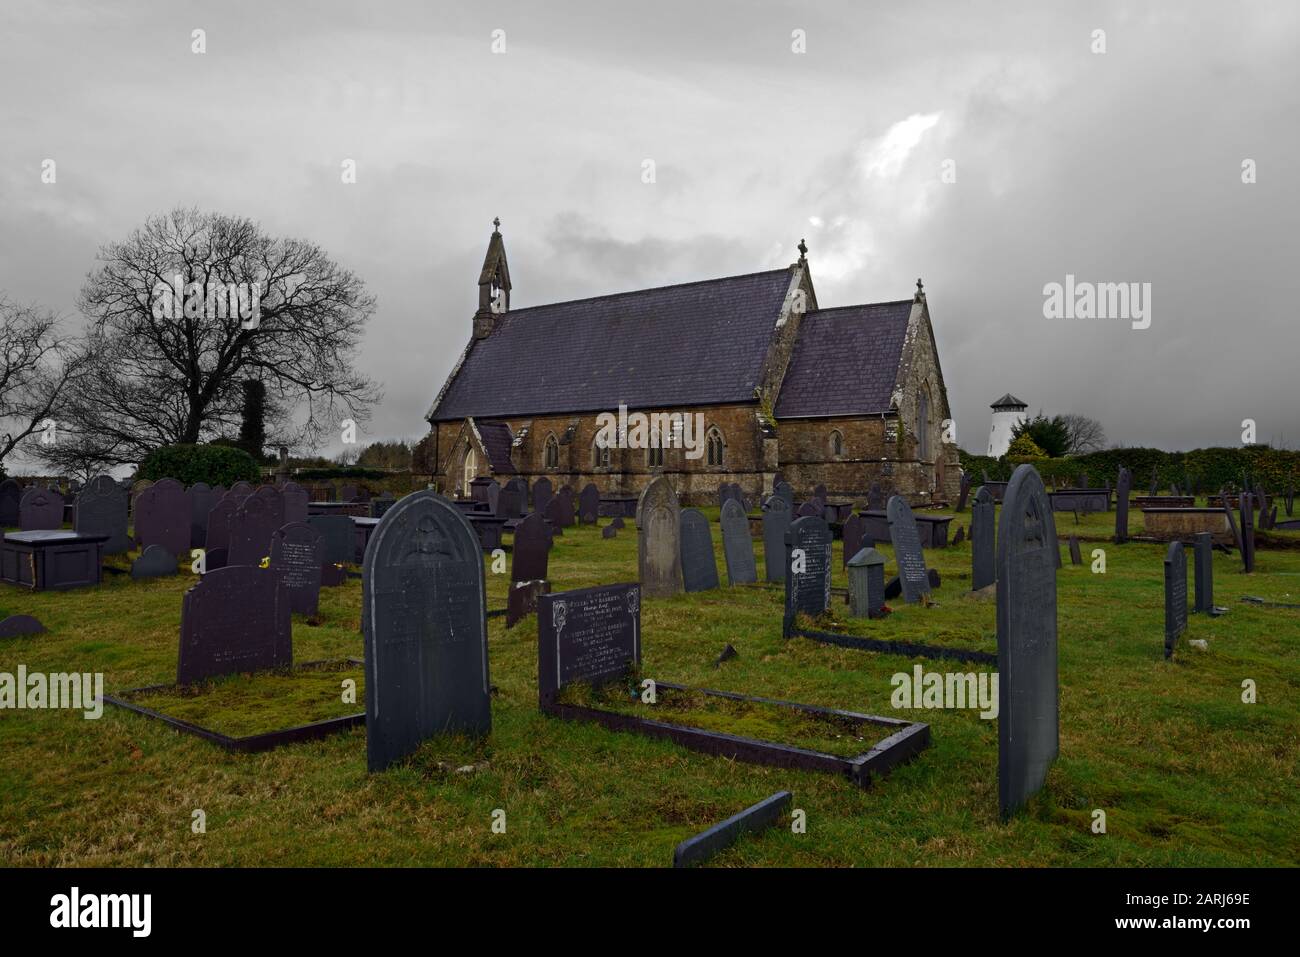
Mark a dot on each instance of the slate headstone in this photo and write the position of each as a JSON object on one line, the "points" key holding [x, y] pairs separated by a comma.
{"points": [[163, 516], [425, 629], [1175, 596], [235, 619], [521, 600], [1232, 523], [101, 509], [808, 546], [618, 522], [274, 500], [812, 507], [1247, 532], [609, 531], [40, 509], [776, 520], [867, 583], [786, 491], [1155, 482], [906, 539], [1028, 729], [297, 553], [558, 514], [541, 494], [699, 564], [251, 526], [1122, 490], [202, 497], [1203, 562], [659, 560], [875, 498], [295, 499], [218, 526], [960, 536], [11, 494], [339, 537], [154, 562], [852, 533], [737, 544], [589, 504], [530, 555], [510, 503], [16, 626], [591, 635], [1076, 556], [965, 491]]}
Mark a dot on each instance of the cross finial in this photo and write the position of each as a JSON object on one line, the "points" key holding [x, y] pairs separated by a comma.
{"points": [[496, 222], [803, 251], [920, 291]]}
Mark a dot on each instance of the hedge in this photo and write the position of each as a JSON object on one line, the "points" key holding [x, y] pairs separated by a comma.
{"points": [[214, 464], [351, 472], [1210, 469]]}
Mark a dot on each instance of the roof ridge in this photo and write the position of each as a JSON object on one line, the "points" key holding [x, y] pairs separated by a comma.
{"points": [[636, 292], [861, 305]]}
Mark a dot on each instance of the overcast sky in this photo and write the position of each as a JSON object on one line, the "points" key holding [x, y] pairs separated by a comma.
{"points": [[1122, 166]]}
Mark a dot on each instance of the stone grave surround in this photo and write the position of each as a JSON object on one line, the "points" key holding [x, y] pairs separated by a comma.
{"points": [[1028, 719], [699, 564], [424, 617]]}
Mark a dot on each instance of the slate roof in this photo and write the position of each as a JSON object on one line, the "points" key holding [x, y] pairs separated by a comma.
{"points": [[700, 343], [1009, 401], [496, 442], [845, 361]]}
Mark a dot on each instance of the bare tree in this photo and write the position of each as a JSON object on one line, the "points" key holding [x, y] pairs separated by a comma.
{"points": [[189, 307], [1085, 434], [38, 368]]}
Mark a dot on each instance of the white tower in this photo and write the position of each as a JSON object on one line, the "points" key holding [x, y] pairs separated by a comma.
{"points": [[1008, 412]]}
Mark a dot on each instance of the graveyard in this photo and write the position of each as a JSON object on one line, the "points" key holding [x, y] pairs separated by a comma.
{"points": [[1186, 773]]}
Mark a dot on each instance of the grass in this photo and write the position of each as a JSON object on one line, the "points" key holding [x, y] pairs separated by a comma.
{"points": [[1187, 774]]}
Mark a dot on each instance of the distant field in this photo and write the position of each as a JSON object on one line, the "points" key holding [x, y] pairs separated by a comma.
{"points": [[1186, 773]]}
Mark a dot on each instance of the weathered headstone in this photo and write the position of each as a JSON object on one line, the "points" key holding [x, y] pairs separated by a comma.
{"points": [[521, 601], [852, 533], [101, 509], [11, 494], [908, 556], [589, 504], [808, 546], [1028, 729], [154, 562], [659, 558], [541, 494], [875, 498], [163, 516], [297, 553], [618, 522], [609, 531], [295, 499], [235, 619], [1203, 562], [40, 509], [1175, 596], [559, 513], [251, 526], [867, 583], [1290, 500], [786, 491], [339, 537], [776, 519], [699, 564], [960, 536], [1076, 556], [202, 497], [591, 635], [16, 626], [425, 629], [530, 555], [1122, 489], [737, 544], [510, 503]]}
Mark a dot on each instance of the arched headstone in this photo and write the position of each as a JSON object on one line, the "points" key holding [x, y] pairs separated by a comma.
{"points": [[235, 619], [737, 544], [808, 545], [40, 509], [699, 564], [589, 504], [101, 509], [983, 560], [776, 520], [251, 526], [530, 556], [163, 517], [659, 559]]}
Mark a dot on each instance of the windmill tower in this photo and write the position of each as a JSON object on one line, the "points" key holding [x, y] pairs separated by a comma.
{"points": [[1008, 412]]}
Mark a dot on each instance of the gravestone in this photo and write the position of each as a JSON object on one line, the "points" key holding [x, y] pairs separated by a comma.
{"points": [[521, 601], [1175, 596], [1247, 532], [1076, 557], [297, 553], [557, 515], [541, 494], [589, 504], [1232, 523], [785, 491], [737, 544], [659, 559], [425, 629], [295, 499], [808, 545], [16, 626], [251, 526], [819, 493], [274, 503], [236, 619], [852, 533], [494, 498], [875, 498], [1122, 489], [1261, 505], [776, 520], [1290, 500], [154, 562], [11, 493], [965, 491], [379, 505], [1028, 729], [241, 490], [163, 516], [510, 502], [339, 537], [531, 553], [960, 536], [699, 564], [867, 583], [609, 531], [1203, 562], [618, 522], [908, 556], [218, 526], [479, 489], [591, 635], [348, 493], [812, 507], [1155, 482], [101, 510], [40, 509], [202, 497]]}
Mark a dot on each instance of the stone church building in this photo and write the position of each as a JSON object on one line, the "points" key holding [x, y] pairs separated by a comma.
{"points": [[840, 396]]}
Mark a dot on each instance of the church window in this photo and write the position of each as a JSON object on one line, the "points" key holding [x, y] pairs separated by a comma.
{"points": [[551, 456], [715, 448]]}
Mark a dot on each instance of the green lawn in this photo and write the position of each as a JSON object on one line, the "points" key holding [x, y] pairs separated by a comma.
{"points": [[1186, 773]]}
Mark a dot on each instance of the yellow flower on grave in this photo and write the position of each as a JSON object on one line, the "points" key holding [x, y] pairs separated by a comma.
{"points": [[265, 562]]}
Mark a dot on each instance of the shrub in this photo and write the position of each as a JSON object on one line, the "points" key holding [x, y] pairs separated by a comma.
{"points": [[1024, 449], [214, 464]]}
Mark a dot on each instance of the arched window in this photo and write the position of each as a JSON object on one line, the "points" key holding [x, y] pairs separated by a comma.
{"points": [[837, 443], [551, 457], [715, 448], [654, 456], [923, 425], [470, 471], [599, 456]]}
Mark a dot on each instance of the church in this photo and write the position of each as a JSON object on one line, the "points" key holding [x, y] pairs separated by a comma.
{"points": [[748, 375]]}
